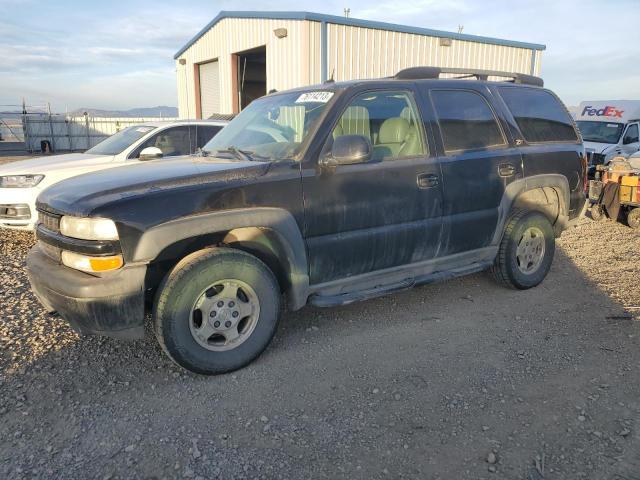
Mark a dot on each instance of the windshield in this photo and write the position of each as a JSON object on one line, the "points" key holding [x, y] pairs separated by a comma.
{"points": [[272, 127], [118, 142], [600, 132]]}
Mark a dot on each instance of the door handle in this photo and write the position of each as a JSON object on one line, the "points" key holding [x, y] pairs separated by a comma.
{"points": [[506, 170], [427, 180]]}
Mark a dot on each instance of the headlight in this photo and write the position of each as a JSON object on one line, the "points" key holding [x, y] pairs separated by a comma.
{"points": [[20, 181], [89, 264], [88, 228]]}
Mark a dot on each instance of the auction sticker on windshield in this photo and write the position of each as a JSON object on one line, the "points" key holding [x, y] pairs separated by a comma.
{"points": [[318, 97]]}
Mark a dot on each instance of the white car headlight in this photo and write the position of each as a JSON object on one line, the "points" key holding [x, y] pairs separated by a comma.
{"points": [[20, 181], [88, 228]]}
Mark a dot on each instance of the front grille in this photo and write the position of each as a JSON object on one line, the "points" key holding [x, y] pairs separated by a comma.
{"points": [[596, 159], [49, 221]]}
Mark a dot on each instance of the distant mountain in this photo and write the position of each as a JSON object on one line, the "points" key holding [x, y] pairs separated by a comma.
{"points": [[161, 111]]}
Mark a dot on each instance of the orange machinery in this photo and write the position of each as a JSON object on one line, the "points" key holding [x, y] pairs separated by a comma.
{"points": [[621, 172]]}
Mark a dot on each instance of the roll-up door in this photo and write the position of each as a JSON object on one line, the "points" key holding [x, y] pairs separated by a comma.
{"points": [[209, 89]]}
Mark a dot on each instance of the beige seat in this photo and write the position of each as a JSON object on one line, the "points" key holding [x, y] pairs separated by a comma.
{"points": [[397, 138]]}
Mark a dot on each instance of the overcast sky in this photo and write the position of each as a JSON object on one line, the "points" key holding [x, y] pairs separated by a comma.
{"points": [[119, 54]]}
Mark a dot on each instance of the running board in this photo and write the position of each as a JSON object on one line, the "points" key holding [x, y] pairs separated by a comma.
{"points": [[350, 297], [318, 300]]}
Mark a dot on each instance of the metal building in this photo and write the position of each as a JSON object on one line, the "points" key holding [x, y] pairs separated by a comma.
{"points": [[240, 56]]}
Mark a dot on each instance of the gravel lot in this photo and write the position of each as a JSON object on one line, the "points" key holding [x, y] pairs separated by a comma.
{"points": [[458, 380]]}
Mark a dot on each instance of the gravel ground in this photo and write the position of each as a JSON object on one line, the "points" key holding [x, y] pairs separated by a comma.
{"points": [[458, 380]]}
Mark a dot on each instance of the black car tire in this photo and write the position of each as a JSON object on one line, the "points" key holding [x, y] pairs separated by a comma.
{"points": [[597, 214], [633, 218], [507, 269], [185, 283]]}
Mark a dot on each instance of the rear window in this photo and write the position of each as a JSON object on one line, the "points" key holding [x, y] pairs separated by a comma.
{"points": [[466, 120], [539, 115]]}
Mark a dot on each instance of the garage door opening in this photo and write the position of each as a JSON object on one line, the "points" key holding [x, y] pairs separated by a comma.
{"points": [[251, 75]]}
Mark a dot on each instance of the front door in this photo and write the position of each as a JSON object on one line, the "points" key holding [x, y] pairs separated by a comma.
{"points": [[631, 140], [384, 213]]}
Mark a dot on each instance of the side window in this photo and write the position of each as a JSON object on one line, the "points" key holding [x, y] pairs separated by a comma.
{"points": [[389, 119], [539, 115], [172, 141], [466, 120], [632, 134], [204, 133]]}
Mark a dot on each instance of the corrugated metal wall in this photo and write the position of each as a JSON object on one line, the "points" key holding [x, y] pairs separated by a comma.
{"points": [[356, 52], [287, 58], [352, 52]]}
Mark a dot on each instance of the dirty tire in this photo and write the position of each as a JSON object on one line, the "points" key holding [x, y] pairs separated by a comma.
{"points": [[633, 218], [506, 269], [184, 285], [597, 214]]}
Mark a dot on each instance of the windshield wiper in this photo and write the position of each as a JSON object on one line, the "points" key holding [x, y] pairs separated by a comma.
{"points": [[244, 155]]}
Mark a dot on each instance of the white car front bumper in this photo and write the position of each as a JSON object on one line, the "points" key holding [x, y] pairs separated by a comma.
{"points": [[18, 208]]}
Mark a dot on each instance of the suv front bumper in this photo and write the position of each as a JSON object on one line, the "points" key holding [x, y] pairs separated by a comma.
{"points": [[111, 305]]}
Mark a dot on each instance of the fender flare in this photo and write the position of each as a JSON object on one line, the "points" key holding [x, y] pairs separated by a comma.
{"points": [[518, 187], [277, 220]]}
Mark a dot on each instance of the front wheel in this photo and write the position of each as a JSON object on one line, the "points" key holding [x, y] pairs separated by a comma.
{"points": [[526, 251], [217, 310]]}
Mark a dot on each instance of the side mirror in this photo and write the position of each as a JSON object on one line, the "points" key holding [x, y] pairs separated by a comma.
{"points": [[349, 150], [150, 153]]}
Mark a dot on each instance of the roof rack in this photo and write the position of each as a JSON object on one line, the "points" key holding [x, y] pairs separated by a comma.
{"points": [[418, 73]]}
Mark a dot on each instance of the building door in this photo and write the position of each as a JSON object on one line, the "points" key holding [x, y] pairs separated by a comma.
{"points": [[251, 75], [209, 88]]}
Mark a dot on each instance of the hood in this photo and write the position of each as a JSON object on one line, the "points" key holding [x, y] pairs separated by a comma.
{"points": [[82, 194], [603, 148], [54, 163]]}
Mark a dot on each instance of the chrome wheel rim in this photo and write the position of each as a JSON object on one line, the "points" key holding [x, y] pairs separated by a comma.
{"points": [[530, 251], [224, 315]]}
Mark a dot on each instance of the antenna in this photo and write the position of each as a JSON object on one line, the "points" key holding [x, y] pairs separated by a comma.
{"points": [[347, 12], [460, 28]]}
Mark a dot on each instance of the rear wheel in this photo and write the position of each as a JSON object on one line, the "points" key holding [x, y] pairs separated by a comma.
{"points": [[526, 250], [633, 218], [217, 310]]}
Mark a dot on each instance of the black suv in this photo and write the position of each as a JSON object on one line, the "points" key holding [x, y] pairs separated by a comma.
{"points": [[323, 195]]}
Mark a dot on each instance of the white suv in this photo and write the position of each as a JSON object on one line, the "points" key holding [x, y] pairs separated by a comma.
{"points": [[21, 182]]}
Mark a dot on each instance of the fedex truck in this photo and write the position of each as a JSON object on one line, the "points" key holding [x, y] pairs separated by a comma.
{"points": [[609, 128]]}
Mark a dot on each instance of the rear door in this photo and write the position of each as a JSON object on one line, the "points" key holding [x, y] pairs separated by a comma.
{"points": [[372, 216], [477, 161], [549, 141]]}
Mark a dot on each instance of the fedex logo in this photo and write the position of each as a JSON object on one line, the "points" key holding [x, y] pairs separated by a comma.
{"points": [[603, 112]]}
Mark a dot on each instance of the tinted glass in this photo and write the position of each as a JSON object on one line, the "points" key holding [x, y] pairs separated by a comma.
{"points": [[204, 133], [600, 132], [388, 119], [118, 142], [539, 115], [466, 120]]}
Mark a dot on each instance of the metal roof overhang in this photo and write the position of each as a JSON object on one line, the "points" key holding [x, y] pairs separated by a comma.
{"points": [[355, 22]]}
